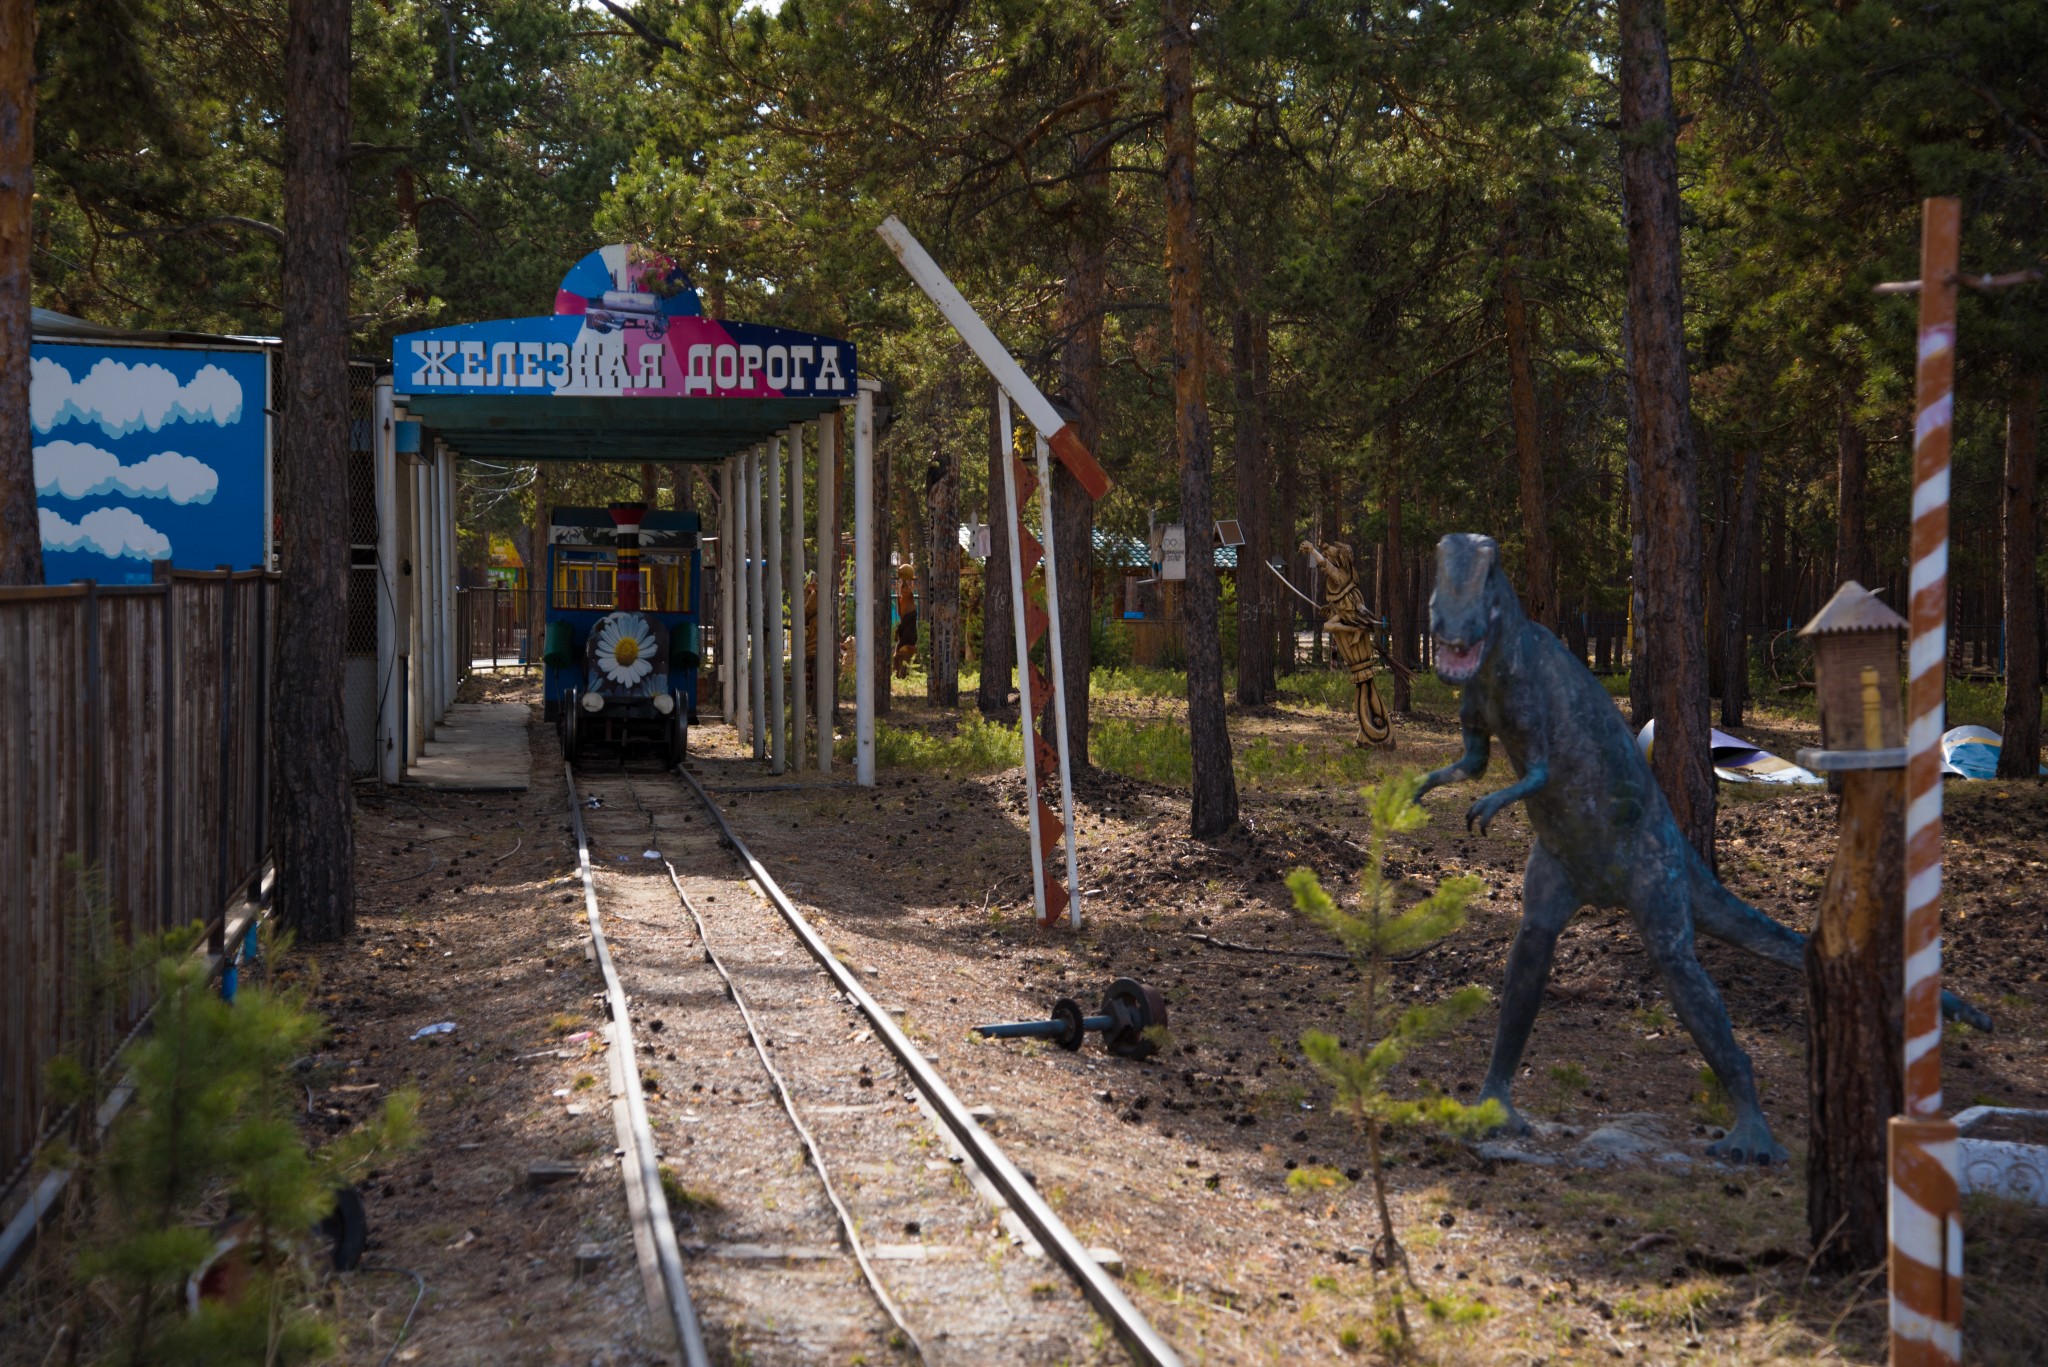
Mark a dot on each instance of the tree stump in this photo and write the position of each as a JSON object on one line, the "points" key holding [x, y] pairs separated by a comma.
{"points": [[1855, 1024]]}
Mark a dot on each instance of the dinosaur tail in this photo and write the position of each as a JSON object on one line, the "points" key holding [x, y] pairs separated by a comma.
{"points": [[1726, 917]]}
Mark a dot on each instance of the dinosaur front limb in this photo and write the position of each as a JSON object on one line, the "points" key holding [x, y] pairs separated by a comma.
{"points": [[1487, 808], [1548, 901], [1471, 764]]}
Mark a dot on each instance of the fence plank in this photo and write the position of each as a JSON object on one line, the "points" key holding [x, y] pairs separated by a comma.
{"points": [[119, 745]]}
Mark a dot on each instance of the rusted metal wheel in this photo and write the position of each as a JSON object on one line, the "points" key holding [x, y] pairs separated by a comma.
{"points": [[1068, 1013], [1133, 1008], [572, 704]]}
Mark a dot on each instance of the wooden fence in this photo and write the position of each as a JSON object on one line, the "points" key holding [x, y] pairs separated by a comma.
{"points": [[135, 740]]}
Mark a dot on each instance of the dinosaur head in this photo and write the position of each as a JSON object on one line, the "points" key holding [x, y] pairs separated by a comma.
{"points": [[1471, 604]]}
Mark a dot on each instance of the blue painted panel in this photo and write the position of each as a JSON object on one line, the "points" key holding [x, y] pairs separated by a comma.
{"points": [[148, 453]]}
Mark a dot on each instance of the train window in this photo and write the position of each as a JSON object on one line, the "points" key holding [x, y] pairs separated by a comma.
{"points": [[587, 580]]}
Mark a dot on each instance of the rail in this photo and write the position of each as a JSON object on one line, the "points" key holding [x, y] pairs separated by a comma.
{"points": [[645, 1198], [1125, 1320]]}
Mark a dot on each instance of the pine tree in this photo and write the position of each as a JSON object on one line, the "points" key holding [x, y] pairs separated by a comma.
{"points": [[1379, 931]]}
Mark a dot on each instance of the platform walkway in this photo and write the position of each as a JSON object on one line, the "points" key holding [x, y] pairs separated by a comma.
{"points": [[479, 747]]}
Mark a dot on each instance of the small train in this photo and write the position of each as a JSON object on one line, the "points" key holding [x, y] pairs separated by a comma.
{"points": [[624, 638]]}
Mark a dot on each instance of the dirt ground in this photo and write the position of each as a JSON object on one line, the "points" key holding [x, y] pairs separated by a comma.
{"points": [[470, 912], [1182, 1163]]}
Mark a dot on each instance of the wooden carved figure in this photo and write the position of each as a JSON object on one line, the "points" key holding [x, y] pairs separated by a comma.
{"points": [[1353, 635]]}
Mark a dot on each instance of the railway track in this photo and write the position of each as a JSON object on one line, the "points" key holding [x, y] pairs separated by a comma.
{"points": [[805, 1188]]}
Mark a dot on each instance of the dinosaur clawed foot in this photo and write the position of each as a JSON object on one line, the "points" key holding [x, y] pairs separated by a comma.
{"points": [[1512, 1126], [1749, 1142]]}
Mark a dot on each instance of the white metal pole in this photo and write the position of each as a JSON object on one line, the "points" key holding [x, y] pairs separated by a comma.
{"points": [[757, 706], [864, 586], [778, 722], [451, 665], [798, 713], [827, 644], [390, 745], [437, 649], [419, 631], [1016, 528], [727, 562], [1059, 677]]}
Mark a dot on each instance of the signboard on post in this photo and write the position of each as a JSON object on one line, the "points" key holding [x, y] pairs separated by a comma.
{"points": [[149, 453], [1173, 552]]}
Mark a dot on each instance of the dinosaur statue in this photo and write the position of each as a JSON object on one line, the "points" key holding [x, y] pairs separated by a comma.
{"points": [[1352, 633], [1604, 834]]}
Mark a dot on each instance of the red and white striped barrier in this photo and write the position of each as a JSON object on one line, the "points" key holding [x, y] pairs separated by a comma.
{"points": [[1926, 1233]]}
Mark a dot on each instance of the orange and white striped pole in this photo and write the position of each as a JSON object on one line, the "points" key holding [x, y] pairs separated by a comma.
{"points": [[1926, 1236]]}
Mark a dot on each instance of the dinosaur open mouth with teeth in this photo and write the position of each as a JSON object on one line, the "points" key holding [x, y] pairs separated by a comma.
{"points": [[1457, 663]]}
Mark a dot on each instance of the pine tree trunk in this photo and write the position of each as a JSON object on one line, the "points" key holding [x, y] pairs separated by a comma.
{"points": [[1672, 606], [1539, 597], [650, 485], [1215, 785], [1852, 463], [1286, 536], [1399, 629], [942, 562], [1855, 1027], [1073, 532], [998, 639], [21, 537], [1254, 636], [1638, 549], [1737, 556], [1274, 613], [2020, 755], [315, 843]]}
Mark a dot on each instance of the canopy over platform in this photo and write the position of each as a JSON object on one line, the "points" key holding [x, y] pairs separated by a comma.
{"points": [[626, 368]]}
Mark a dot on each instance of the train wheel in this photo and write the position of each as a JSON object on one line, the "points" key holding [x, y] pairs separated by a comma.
{"points": [[678, 740], [572, 704]]}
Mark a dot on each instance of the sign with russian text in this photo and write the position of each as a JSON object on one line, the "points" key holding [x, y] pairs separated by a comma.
{"points": [[626, 324]]}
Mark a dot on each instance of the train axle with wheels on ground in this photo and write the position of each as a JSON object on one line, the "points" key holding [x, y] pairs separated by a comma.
{"points": [[623, 634]]}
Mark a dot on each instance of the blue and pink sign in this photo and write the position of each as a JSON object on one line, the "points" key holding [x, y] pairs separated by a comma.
{"points": [[627, 323]]}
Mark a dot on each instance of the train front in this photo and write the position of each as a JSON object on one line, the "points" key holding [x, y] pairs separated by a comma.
{"points": [[623, 640]]}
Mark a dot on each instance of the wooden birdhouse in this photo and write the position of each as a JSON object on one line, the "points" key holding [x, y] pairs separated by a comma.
{"points": [[1856, 671]]}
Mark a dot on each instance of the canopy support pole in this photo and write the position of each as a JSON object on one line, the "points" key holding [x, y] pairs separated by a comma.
{"points": [[757, 707], [798, 712], [725, 596], [778, 721], [864, 583], [827, 644], [390, 745]]}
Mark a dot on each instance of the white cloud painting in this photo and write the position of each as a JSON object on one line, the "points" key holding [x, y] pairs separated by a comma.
{"points": [[76, 469], [112, 532], [122, 398]]}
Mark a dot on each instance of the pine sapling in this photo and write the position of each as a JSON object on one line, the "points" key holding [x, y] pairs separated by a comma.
{"points": [[1379, 931]]}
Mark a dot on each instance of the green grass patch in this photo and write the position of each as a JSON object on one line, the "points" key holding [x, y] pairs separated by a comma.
{"points": [[1314, 1178], [1455, 1309], [1139, 681], [977, 745], [1157, 751]]}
